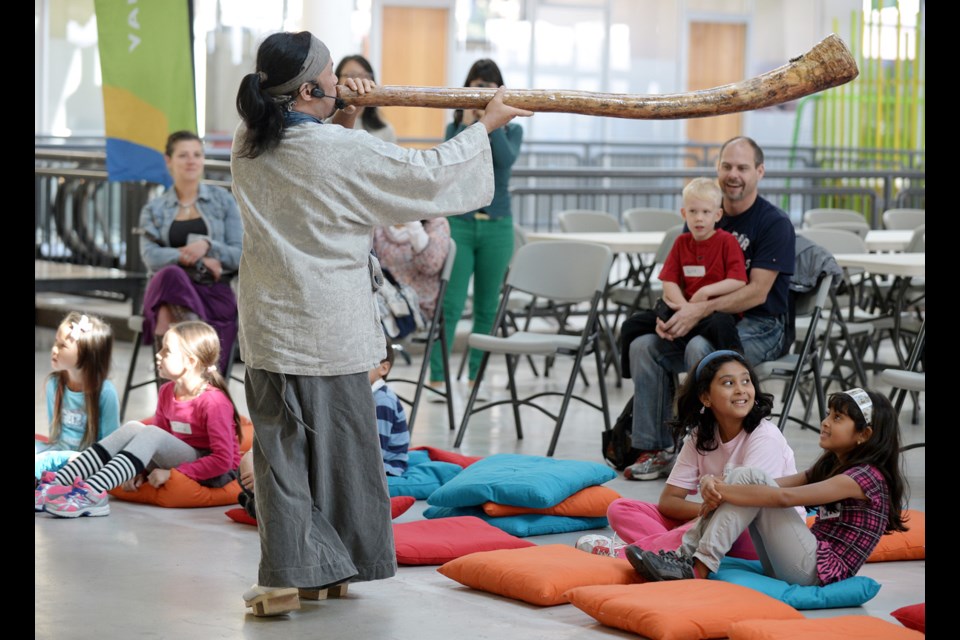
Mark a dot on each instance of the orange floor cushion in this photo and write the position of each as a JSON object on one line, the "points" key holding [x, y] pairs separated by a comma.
{"points": [[678, 609], [540, 574], [901, 545], [591, 502], [904, 545], [180, 491], [837, 628]]}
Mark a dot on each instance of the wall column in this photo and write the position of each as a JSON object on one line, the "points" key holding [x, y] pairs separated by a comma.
{"points": [[329, 20]]}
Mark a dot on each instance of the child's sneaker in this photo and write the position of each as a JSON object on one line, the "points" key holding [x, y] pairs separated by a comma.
{"points": [[600, 545], [48, 489], [650, 465], [82, 500]]}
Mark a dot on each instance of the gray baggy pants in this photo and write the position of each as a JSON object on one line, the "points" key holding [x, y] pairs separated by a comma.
{"points": [[323, 509]]}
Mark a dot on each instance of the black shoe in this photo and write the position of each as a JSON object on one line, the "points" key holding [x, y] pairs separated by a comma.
{"points": [[248, 503], [635, 556], [665, 565]]}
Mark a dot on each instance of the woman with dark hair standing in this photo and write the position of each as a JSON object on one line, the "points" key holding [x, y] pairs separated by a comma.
{"points": [[368, 118], [484, 237], [191, 238], [310, 195]]}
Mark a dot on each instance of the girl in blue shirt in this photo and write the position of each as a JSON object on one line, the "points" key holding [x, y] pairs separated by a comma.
{"points": [[82, 403]]}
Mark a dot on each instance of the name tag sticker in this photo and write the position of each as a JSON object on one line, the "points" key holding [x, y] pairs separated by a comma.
{"points": [[826, 513], [180, 427], [694, 271]]}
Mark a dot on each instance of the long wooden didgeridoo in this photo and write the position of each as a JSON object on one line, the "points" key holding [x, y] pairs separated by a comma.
{"points": [[828, 64]]}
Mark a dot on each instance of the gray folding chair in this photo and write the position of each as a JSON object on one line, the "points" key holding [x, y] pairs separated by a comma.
{"points": [[135, 324], [908, 295], [816, 217], [859, 227], [850, 336], [546, 270], [904, 218], [909, 379], [522, 305], [918, 241], [862, 289], [629, 296], [594, 221], [651, 219], [435, 333], [641, 219], [804, 362], [587, 221], [840, 219]]}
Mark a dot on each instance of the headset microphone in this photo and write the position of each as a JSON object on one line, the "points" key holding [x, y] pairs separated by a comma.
{"points": [[337, 101]]}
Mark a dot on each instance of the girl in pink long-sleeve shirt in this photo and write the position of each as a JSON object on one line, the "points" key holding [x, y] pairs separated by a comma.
{"points": [[196, 431], [415, 253]]}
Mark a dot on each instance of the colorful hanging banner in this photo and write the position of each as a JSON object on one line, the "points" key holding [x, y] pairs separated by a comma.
{"points": [[146, 60]]}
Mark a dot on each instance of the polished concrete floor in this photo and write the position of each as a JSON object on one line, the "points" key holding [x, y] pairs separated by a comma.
{"points": [[150, 572]]}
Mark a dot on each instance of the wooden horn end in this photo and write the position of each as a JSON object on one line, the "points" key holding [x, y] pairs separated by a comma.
{"points": [[831, 63]]}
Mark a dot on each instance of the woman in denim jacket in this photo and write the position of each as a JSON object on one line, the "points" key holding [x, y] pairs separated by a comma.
{"points": [[191, 237]]}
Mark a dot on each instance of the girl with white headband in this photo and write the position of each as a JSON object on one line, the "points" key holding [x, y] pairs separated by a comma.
{"points": [[82, 403], [856, 487]]}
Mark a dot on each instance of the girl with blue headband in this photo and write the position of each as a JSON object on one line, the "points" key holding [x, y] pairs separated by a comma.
{"points": [[722, 420], [856, 487]]}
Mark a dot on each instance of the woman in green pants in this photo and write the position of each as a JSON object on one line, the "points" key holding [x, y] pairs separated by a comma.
{"points": [[484, 237]]}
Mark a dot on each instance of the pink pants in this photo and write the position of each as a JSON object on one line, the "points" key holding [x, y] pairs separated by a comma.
{"points": [[642, 524]]}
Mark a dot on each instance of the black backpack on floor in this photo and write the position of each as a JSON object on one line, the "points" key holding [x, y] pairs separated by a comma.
{"points": [[617, 445]]}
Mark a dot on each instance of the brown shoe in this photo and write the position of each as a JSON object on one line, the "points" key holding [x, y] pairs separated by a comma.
{"points": [[271, 601], [322, 593]]}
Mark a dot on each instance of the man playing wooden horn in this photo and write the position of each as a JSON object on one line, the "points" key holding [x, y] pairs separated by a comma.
{"points": [[767, 237], [310, 194]]}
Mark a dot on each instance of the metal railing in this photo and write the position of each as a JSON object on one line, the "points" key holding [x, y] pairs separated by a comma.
{"points": [[83, 218], [556, 153], [540, 193]]}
